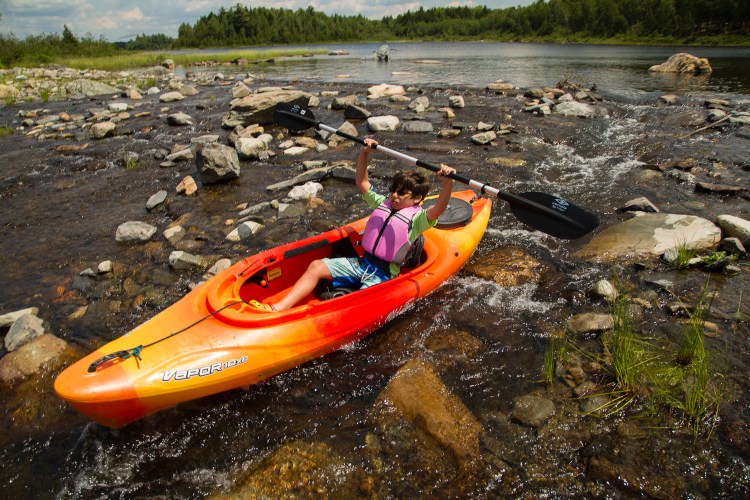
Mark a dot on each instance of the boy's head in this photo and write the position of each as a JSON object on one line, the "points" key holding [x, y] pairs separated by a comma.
{"points": [[411, 180]]}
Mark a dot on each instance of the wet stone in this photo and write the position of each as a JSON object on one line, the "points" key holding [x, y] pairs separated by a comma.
{"points": [[23, 330], [134, 232], [532, 411], [156, 200], [8, 319], [181, 261], [596, 404], [417, 127], [590, 323]]}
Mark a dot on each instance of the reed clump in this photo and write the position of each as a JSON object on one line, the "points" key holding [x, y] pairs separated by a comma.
{"points": [[661, 376]]}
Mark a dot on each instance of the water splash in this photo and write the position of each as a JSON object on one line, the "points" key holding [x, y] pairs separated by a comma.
{"points": [[507, 301]]}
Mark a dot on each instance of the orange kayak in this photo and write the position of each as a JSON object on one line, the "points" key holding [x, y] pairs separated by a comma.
{"points": [[211, 340]]}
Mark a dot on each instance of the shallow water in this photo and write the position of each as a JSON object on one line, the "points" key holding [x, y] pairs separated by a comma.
{"points": [[618, 69], [60, 213]]}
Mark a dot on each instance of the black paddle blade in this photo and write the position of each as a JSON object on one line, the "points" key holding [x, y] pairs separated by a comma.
{"points": [[560, 218], [293, 116]]}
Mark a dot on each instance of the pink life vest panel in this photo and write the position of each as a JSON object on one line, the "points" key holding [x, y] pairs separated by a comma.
{"points": [[387, 232]]}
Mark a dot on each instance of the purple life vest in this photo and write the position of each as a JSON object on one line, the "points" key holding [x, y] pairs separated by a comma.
{"points": [[387, 232]]}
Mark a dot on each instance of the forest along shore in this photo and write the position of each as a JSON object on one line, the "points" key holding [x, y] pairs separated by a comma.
{"points": [[139, 185]]}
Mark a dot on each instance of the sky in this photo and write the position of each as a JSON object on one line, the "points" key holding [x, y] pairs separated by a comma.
{"points": [[119, 20]]}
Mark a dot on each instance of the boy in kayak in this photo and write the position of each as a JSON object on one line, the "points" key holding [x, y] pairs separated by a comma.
{"points": [[394, 226]]}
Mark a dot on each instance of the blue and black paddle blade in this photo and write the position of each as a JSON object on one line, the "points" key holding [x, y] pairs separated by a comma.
{"points": [[294, 117], [558, 218]]}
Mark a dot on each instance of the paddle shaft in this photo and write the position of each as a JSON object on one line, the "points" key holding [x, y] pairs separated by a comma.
{"points": [[479, 186]]}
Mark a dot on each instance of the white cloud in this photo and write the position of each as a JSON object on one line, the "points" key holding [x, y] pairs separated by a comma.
{"points": [[132, 15]]}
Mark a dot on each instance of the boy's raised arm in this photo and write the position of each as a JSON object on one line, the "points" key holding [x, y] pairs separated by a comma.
{"points": [[445, 193], [361, 179]]}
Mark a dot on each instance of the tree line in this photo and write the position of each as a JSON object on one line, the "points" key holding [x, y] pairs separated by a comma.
{"points": [[643, 21], [637, 20], [681, 20]]}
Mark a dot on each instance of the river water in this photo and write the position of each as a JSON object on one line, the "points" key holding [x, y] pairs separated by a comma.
{"points": [[611, 68], [59, 215]]}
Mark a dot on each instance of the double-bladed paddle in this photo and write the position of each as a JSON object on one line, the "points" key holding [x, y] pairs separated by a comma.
{"points": [[547, 213]]}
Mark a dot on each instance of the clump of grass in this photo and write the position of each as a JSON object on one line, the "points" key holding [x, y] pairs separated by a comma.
{"points": [[44, 95], [685, 254], [697, 403], [5, 130], [625, 362], [548, 367], [659, 375], [132, 163], [129, 160], [556, 352], [692, 347]]}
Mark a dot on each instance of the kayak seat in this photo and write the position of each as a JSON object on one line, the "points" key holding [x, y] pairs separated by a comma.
{"points": [[326, 292]]}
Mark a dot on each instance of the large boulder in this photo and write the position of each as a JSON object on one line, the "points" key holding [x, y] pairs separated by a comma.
{"points": [[217, 163], [89, 88], [259, 108], [650, 235], [683, 63], [40, 353]]}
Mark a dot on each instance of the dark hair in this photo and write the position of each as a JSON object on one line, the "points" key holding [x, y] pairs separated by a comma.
{"points": [[412, 180]]}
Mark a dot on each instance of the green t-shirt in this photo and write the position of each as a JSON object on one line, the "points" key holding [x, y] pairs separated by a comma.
{"points": [[419, 224]]}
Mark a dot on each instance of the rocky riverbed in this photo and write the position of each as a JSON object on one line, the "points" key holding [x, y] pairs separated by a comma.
{"points": [[131, 188]]}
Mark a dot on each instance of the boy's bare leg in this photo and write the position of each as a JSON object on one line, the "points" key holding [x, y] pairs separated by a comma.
{"points": [[316, 271]]}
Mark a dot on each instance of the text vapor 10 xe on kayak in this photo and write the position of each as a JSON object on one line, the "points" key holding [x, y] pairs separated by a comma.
{"points": [[223, 343]]}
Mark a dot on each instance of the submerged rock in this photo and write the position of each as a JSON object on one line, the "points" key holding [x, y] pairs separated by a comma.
{"points": [[580, 109], [295, 470], [181, 261], [587, 323], [419, 396], [507, 267], [533, 411]]}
